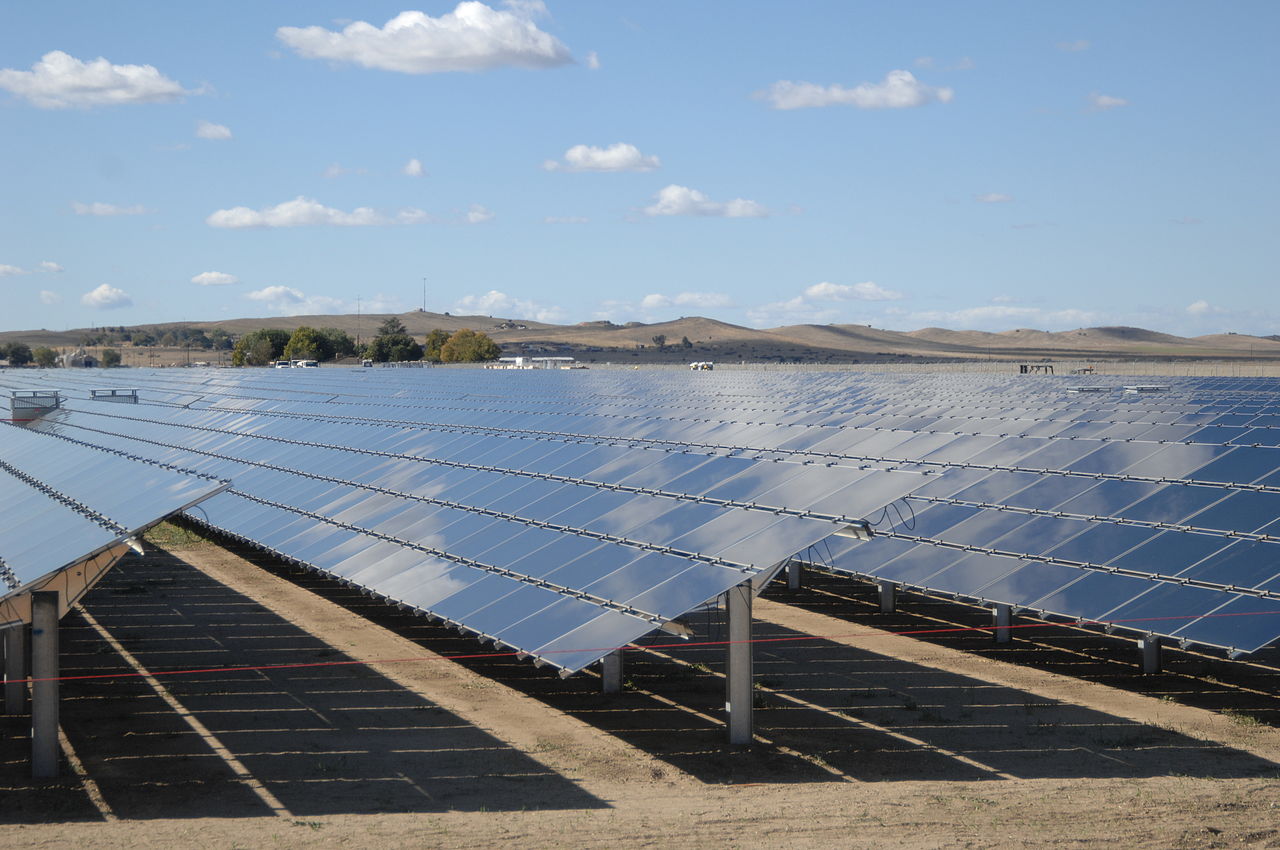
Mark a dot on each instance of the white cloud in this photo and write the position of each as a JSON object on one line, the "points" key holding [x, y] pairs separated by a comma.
{"points": [[413, 215], [214, 132], [593, 61], [796, 311], [50, 298], [413, 168], [681, 200], [993, 198], [701, 300], [810, 307], [214, 279], [1203, 308], [1004, 317], [494, 302], [1073, 46], [479, 215], [45, 266], [923, 62], [616, 157], [1103, 102], [59, 81], [336, 170], [1003, 299], [898, 90], [473, 37], [565, 219], [106, 297], [865, 291], [288, 301], [300, 212], [100, 209]]}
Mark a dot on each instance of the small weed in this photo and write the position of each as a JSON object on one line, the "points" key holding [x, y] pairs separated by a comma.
{"points": [[699, 667], [1241, 718], [314, 824]]}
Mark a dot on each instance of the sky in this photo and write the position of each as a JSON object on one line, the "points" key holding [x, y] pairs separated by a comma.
{"points": [[978, 165]]}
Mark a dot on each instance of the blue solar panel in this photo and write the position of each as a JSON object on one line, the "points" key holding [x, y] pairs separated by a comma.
{"points": [[1022, 492]]}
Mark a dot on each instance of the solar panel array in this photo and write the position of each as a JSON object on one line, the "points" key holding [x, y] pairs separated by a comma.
{"points": [[641, 494], [559, 545], [63, 503]]}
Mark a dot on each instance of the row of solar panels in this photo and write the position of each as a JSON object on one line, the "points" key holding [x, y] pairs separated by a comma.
{"points": [[560, 549], [63, 504], [1096, 506]]}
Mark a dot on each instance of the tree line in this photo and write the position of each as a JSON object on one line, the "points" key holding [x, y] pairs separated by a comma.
{"points": [[392, 344]]}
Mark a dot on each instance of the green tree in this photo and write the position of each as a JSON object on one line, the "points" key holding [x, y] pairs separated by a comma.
{"points": [[259, 347], [340, 343], [435, 341], [660, 340], [110, 357], [220, 339], [19, 354], [684, 340], [468, 346], [306, 344], [45, 358], [393, 344]]}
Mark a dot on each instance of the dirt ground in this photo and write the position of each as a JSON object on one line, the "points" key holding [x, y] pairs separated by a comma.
{"points": [[865, 738]]}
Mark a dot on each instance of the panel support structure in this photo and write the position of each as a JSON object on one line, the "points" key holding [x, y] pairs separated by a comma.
{"points": [[739, 684], [1002, 618], [44, 688], [888, 593], [15, 670], [1149, 646], [795, 570], [611, 673]]}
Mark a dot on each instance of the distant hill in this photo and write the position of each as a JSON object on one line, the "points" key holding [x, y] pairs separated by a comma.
{"points": [[710, 339]]}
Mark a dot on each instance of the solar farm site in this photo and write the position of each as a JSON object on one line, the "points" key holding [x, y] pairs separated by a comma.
{"points": [[740, 607]]}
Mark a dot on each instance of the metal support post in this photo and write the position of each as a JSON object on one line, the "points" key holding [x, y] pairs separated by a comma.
{"points": [[1002, 617], [888, 592], [794, 572], [1149, 646], [739, 684], [44, 690], [611, 673], [15, 670]]}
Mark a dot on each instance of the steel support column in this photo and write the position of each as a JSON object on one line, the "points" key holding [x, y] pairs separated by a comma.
{"points": [[739, 684], [611, 673], [1002, 618], [15, 670], [794, 572], [44, 689], [888, 593], [1149, 646]]}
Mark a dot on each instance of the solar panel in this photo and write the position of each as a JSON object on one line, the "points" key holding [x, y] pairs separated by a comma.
{"points": [[1152, 510], [64, 502]]}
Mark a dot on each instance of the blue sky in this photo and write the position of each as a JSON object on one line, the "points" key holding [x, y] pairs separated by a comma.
{"points": [[971, 165]]}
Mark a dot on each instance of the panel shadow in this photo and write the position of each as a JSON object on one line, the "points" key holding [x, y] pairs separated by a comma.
{"points": [[332, 739]]}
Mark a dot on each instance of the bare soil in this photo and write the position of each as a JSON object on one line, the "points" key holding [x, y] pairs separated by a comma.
{"points": [[865, 738]]}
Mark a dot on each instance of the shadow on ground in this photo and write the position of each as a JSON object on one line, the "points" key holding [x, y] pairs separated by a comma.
{"points": [[827, 711], [321, 740]]}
